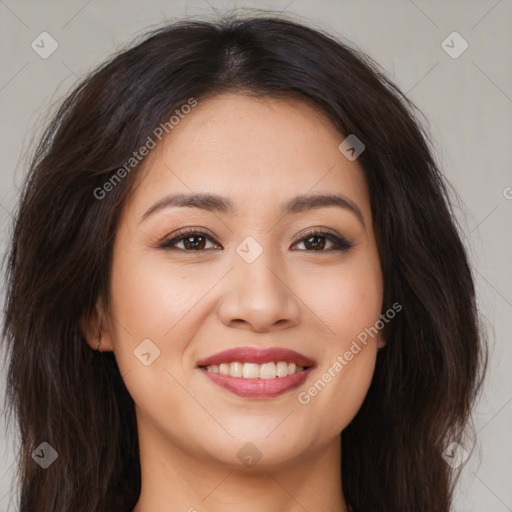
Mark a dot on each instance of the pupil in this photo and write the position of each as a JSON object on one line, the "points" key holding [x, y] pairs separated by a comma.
{"points": [[194, 245], [318, 244]]}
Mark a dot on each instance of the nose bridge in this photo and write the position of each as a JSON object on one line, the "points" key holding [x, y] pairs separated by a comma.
{"points": [[259, 271], [259, 294]]}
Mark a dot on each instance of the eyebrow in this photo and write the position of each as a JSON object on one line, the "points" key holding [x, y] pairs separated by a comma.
{"points": [[219, 204]]}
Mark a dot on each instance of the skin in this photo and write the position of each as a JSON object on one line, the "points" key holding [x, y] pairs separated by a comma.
{"points": [[259, 153]]}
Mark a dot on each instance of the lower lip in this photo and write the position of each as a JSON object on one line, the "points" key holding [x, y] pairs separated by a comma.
{"points": [[258, 388]]}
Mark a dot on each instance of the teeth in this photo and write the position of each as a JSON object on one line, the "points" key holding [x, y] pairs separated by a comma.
{"points": [[269, 370], [236, 369], [251, 370], [282, 369]]}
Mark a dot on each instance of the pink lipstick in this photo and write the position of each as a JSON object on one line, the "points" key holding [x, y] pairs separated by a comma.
{"points": [[251, 372]]}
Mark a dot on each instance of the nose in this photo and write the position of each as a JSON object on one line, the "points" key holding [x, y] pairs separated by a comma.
{"points": [[259, 296]]}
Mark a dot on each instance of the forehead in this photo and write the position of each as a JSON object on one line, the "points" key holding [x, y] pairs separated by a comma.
{"points": [[259, 152]]}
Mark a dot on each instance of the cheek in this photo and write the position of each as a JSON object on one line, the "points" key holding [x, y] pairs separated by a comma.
{"points": [[349, 301], [347, 298], [151, 302], [151, 299], [337, 394]]}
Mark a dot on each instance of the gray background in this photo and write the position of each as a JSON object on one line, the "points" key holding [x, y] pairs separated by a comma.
{"points": [[467, 101]]}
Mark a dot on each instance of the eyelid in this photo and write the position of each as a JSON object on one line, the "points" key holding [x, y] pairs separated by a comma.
{"points": [[340, 243], [183, 233], [316, 231]]}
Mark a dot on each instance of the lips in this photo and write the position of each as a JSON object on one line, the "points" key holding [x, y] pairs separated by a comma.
{"points": [[258, 356], [257, 387]]}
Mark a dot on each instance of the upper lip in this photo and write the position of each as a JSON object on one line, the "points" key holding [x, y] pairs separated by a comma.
{"points": [[257, 355]]}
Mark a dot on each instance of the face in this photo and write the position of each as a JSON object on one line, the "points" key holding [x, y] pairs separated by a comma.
{"points": [[245, 273]]}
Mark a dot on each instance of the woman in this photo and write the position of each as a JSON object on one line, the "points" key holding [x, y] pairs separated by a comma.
{"points": [[235, 282]]}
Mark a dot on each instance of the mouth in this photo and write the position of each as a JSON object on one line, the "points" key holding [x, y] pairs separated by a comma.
{"points": [[257, 373]]}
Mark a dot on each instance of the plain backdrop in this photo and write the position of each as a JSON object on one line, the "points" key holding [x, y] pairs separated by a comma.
{"points": [[466, 97]]}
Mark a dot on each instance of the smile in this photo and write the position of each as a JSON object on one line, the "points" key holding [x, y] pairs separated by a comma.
{"points": [[250, 372], [255, 371]]}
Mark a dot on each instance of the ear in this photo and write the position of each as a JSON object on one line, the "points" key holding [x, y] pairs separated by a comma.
{"points": [[95, 328], [381, 339], [381, 342]]}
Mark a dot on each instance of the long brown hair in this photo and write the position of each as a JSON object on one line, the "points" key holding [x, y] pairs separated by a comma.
{"points": [[63, 393]]}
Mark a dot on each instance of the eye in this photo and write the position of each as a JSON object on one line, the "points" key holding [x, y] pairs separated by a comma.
{"points": [[316, 240], [192, 240]]}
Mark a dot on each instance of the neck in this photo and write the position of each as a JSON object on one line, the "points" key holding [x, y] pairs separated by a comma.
{"points": [[174, 480]]}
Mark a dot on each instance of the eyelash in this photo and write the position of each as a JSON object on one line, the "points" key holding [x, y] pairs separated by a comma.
{"points": [[339, 243]]}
